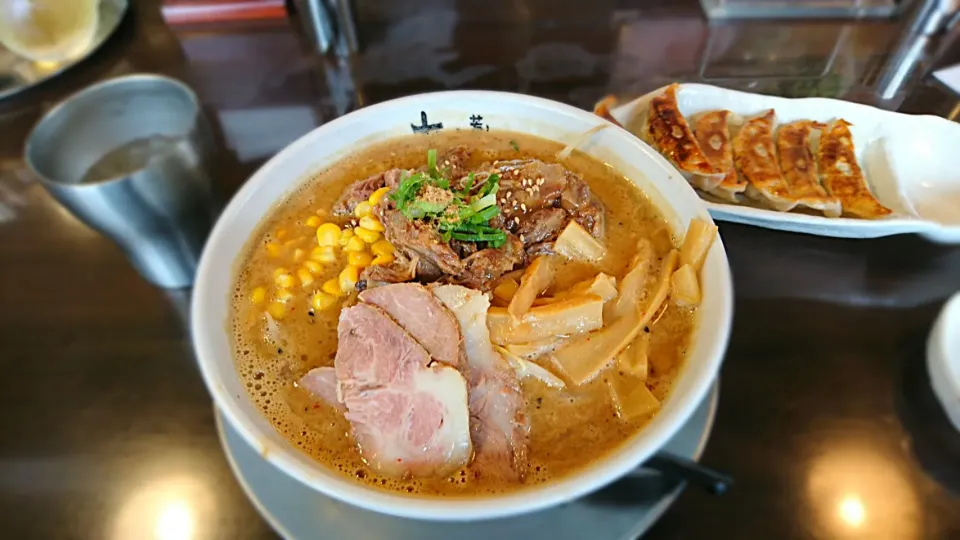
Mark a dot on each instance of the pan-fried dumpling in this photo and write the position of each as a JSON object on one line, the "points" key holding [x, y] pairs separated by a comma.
{"points": [[712, 130], [755, 154], [841, 174], [667, 130], [799, 167]]}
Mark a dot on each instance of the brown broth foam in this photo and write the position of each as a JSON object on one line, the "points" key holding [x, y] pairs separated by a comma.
{"points": [[569, 428]]}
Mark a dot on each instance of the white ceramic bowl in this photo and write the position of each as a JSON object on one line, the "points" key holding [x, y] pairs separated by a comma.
{"points": [[330, 142]]}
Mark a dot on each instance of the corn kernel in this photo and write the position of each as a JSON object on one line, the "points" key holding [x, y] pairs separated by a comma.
{"points": [[384, 259], [313, 266], [313, 221], [367, 235], [324, 254], [363, 209], [258, 295], [332, 287], [381, 247], [372, 223], [282, 278], [361, 259], [298, 255], [284, 295], [328, 234], [378, 196], [322, 300], [345, 236], [273, 249], [355, 244], [304, 276], [277, 310], [348, 279]]}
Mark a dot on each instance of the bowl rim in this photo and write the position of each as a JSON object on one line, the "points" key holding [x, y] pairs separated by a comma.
{"points": [[529, 499]]}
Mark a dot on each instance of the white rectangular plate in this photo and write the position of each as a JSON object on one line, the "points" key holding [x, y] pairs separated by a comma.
{"points": [[912, 163]]}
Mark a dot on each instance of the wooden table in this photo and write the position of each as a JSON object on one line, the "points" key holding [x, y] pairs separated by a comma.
{"points": [[825, 420]]}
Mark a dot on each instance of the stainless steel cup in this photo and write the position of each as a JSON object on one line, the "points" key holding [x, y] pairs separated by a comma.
{"points": [[131, 157]]}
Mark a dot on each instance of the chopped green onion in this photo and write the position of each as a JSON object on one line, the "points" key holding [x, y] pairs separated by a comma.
{"points": [[492, 185], [494, 237], [514, 144], [432, 162], [469, 185], [485, 215]]}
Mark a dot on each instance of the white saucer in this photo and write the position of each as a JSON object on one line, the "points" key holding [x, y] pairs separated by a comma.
{"points": [[298, 513], [943, 359]]}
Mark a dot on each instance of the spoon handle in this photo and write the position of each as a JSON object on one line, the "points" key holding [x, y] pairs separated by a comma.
{"points": [[712, 481]]}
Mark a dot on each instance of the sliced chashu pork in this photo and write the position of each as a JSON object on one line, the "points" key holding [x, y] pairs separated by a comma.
{"points": [[499, 422], [419, 312], [321, 383], [408, 413]]}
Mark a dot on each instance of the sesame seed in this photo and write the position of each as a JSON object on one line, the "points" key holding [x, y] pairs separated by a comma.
{"points": [[446, 162], [509, 194], [495, 162], [523, 207], [353, 222], [516, 220], [540, 182], [516, 172], [521, 238]]}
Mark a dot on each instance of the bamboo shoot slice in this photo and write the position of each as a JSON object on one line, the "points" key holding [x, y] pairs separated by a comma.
{"points": [[697, 243], [631, 398], [633, 360], [505, 290], [589, 354], [684, 287], [536, 279], [576, 243], [566, 318], [632, 284]]}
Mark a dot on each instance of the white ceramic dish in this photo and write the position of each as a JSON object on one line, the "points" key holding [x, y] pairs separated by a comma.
{"points": [[943, 359], [912, 163], [450, 110]]}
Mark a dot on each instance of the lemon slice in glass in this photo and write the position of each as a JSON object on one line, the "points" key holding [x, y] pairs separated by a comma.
{"points": [[48, 30]]}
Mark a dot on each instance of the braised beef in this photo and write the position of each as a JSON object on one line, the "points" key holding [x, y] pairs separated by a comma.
{"points": [[419, 241], [482, 268], [361, 190], [543, 248], [586, 209], [529, 185], [541, 226], [463, 249], [536, 199], [401, 270], [453, 162]]}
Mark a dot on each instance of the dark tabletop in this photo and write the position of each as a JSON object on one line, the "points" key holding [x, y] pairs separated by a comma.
{"points": [[826, 419]]}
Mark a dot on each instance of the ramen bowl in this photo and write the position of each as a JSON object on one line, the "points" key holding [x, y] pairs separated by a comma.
{"points": [[461, 110]]}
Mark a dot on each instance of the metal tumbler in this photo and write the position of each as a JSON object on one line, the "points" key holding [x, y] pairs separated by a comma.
{"points": [[131, 157]]}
